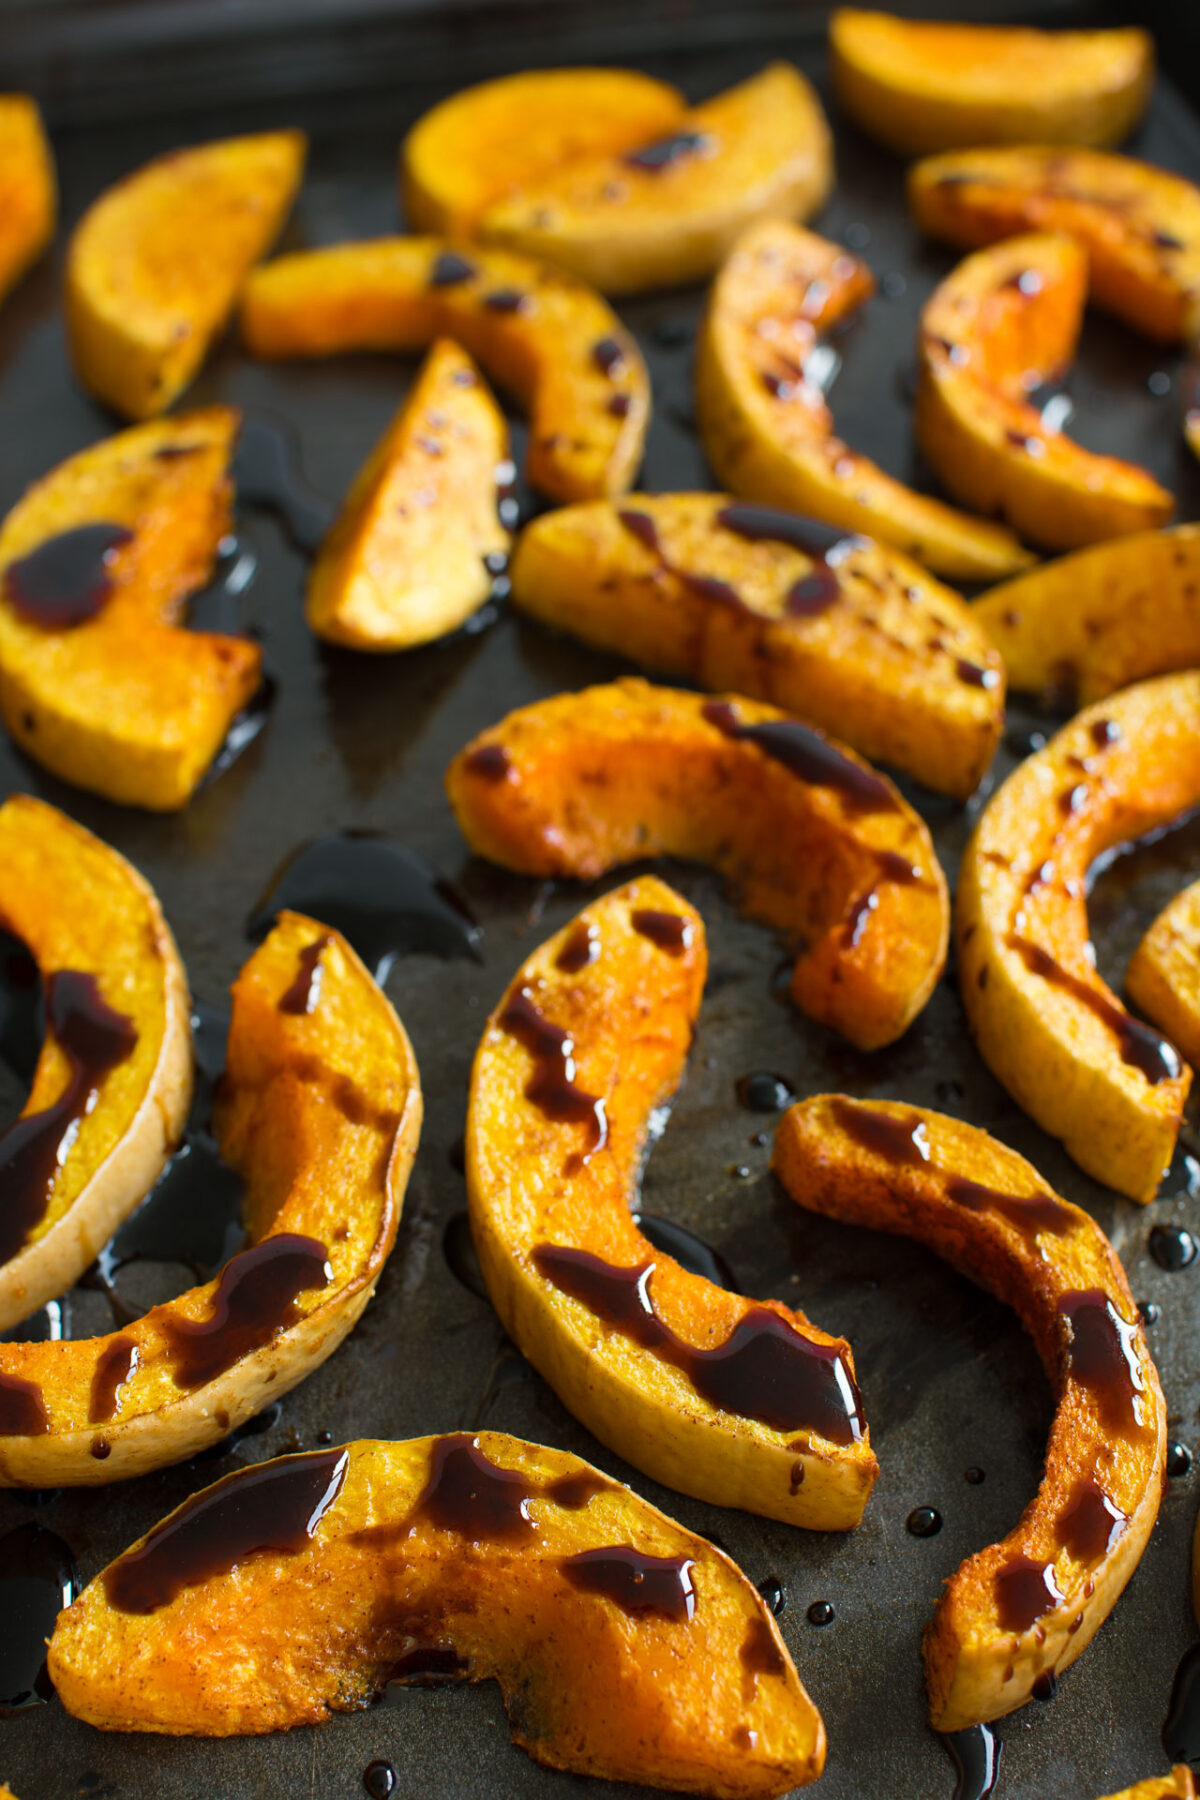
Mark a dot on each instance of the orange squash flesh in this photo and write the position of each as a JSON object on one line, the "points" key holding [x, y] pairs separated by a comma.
{"points": [[1163, 977], [1031, 1603], [1139, 224], [767, 430], [578, 784], [320, 1112], [126, 702], [1045, 1023], [28, 188], [1178, 1785], [155, 264], [83, 911], [488, 142], [544, 1193], [552, 341], [1004, 320], [393, 1569], [848, 635]]}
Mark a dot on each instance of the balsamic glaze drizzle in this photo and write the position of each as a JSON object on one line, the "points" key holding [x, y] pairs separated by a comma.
{"points": [[552, 1087], [640, 1584], [1102, 1355], [976, 1754], [1140, 1047], [67, 578], [255, 1298], [810, 756]]}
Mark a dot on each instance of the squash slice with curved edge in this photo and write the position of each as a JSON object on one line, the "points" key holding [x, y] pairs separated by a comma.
{"points": [[99, 681], [817, 843], [848, 634], [1139, 224], [918, 85], [28, 188], [113, 1082], [661, 1365], [408, 557], [1030, 1604], [489, 141], [1044, 1021], [667, 212], [766, 428], [319, 1112], [554, 342], [624, 1646], [155, 264], [1163, 976], [1178, 1785], [1004, 320], [1086, 624]]}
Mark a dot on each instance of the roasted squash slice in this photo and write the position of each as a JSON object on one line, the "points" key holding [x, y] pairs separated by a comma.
{"points": [[489, 141], [99, 681], [919, 85], [1163, 977], [28, 188], [1139, 224], [624, 1645], [1002, 321], [667, 212], [737, 1402], [1047, 1026], [415, 548], [155, 264], [113, 1082], [766, 428], [819, 845], [319, 1111], [846, 633], [550, 339], [1028, 1606], [1086, 624], [1178, 1785]]}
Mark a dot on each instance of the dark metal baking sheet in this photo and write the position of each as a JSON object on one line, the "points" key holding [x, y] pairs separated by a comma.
{"points": [[949, 1378]]}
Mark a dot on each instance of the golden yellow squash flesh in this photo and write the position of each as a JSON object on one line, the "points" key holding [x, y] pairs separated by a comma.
{"points": [[624, 1646], [1029, 1605], [1178, 1785], [28, 188], [1163, 977]]}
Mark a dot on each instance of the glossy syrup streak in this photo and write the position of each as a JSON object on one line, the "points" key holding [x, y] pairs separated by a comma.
{"points": [[37, 1579], [1181, 1728], [1102, 1356], [266, 472], [809, 756], [817, 591], [640, 1584], [664, 152], [975, 1753], [552, 1087], [255, 1299], [67, 578], [1140, 1047]]}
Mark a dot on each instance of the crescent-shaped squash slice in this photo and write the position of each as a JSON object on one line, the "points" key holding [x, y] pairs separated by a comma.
{"points": [[919, 85], [818, 844], [1139, 224], [1163, 977], [548, 338], [155, 264], [28, 189], [492, 140], [624, 1645], [1026, 1607], [319, 1111], [1089, 623], [766, 428], [1046, 1024], [1002, 321], [415, 548], [739, 1402], [113, 1082], [99, 682], [667, 212], [1178, 1785], [847, 633]]}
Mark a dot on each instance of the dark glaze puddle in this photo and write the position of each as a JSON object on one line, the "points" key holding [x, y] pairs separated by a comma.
{"points": [[1181, 1728], [640, 1584], [37, 1579], [688, 1250], [67, 578], [266, 472], [810, 756], [976, 1754]]}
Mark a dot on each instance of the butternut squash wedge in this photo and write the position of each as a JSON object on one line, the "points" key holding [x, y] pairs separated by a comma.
{"points": [[489, 141], [848, 634], [1086, 624], [28, 188], [1003, 320], [737, 1402], [818, 844], [554, 342], [413, 552], [1029, 1605], [1163, 977], [1139, 224], [1178, 1785], [919, 85], [319, 1111], [624, 1645], [1044, 1021], [113, 1082], [666, 212], [767, 430], [155, 265], [99, 681]]}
